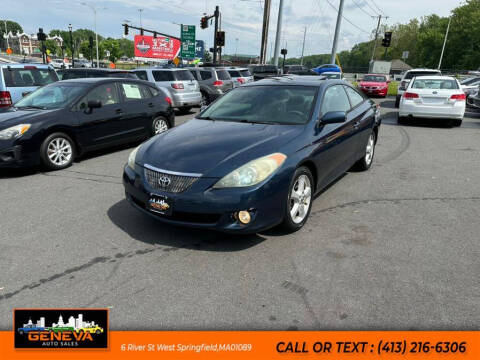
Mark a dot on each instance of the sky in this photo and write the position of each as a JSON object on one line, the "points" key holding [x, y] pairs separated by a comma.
{"points": [[241, 19]]}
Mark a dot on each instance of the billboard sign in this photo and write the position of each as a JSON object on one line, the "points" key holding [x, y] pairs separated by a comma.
{"points": [[188, 41], [159, 48], [199, 49]]}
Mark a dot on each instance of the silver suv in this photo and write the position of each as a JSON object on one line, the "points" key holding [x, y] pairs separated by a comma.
{"points": [[17, 80], [240, 76], [181, 86], [214, 82]]}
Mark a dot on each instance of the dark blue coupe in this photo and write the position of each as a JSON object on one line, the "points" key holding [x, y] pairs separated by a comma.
{"points": [[256, 157]]}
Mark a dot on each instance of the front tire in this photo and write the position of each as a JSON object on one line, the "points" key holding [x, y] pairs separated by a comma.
{"points": [[366, 161], [457, 123], [57, 151], [299, 200], [159, 125]]}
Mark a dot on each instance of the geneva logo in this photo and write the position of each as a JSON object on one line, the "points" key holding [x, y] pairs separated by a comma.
{"points": [[61, 328], [143, 47]]}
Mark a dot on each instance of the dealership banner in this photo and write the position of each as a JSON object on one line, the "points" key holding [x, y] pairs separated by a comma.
{"points": [[159, 48], [271, 345]]}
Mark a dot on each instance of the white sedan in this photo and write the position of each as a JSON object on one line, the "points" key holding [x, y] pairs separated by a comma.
{"points": [[433, 97]]}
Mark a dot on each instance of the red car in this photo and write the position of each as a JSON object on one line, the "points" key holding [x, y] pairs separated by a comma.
{"points": [[374, 85]]}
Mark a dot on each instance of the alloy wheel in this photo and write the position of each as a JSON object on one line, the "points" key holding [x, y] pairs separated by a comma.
{"points": [[370, 149], [160, 126], [59, 151], [300, 199]]}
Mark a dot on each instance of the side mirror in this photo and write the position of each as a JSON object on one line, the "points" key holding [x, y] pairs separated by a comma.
{"points": [[333, 117], [94, 104]]}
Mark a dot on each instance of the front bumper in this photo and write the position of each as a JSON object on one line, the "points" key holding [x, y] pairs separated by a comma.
{"points": [[375, 92], [187, 99], [14, 156], [203, 207]]}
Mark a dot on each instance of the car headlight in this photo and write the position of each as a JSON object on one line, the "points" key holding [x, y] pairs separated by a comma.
{"points": [[14, 132], [252, 172], [132, 156]]}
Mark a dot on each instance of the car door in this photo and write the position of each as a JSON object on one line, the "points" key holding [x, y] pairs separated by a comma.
{"points": [[100, 127], [140, 108], [363, 117], [334, 144]]}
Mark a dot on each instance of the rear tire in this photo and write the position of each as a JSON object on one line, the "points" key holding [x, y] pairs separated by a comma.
{"points": [[457, 123], [205, 99], [366, 161], [397, 102], [299, 200], [159, 125], [57, 151], [401, 120]]}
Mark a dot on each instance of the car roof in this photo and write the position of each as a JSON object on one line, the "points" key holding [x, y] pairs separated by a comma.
{"points": [[99, 80], [22, 65], [308, 80], [161, 68], [100, 70], [423, 69], [433, 77], [331, 73]]}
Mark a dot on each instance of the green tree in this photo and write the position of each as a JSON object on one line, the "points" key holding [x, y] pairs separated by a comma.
{"points": [[207, 57], [52, 47], [12, 26], [126, 47], [113, 48]]}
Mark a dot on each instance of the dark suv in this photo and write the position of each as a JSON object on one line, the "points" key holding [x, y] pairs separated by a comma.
{"points": [[214, 82], [260, 72]]}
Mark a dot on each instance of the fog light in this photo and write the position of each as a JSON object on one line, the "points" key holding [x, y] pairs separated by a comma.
{"points": [[244, 217]]}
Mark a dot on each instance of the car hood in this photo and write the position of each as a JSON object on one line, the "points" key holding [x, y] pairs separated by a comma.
{"points": [[372, 83], [214, 148], [11, 117]]}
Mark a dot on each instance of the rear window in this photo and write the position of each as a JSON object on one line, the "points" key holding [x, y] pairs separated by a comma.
{"points": [[245, 73], [223, 75], [183, 75], [441, 84], [412, 74], [234, 73], [142, 75], [195, 75], [123, 75], [18, 77], [160, 75], [375, 78]]}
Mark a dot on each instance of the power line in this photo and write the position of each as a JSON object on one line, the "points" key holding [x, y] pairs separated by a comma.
{"points": [[361, 8], [347, 20], [373, 2], [370, 6]]}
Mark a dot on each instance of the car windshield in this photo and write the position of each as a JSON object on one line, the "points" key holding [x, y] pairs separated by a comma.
{"points": [[245, 73], [375, 78], [183, 75], [223, 75], [264, 104], [28, 76], [54, 96], [442, 84]]}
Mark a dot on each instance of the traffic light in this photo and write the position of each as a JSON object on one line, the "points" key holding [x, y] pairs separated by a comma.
{"points": [[125, 29], [220, 38], [204, 22], [387, 39], [41, 36]]}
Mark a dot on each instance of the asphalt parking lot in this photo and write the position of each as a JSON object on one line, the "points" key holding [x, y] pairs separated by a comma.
{"points": [[396, 247]]}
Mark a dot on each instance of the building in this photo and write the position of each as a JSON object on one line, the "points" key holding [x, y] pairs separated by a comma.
{"points": [[28, 44]]}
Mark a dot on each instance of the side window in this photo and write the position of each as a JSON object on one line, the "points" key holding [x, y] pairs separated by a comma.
{"points": [[146, 93], [206, 75], [154, 91], [355, 97], [335, 99], [195, 74], [142, 75], [131, 91], [106, 93]]}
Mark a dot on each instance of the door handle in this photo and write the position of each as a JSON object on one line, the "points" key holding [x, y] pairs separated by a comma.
{"points": [[119, 111], [151, 105]]}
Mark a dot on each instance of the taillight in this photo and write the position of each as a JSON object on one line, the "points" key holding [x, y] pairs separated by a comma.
{"points": [[5, 99], [218, 83], [177, 86], [168, 100], [29, 67], [241, 80], [409, 95], [458, 97]]}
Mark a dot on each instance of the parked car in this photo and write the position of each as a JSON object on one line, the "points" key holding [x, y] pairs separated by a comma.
{"points": [[94, 329], [473, 100], [409, 75], [374, 85], [68, 74], [470, 86], [298, 70], [59, 64], [240, 76], [181, 86], [29, 327], [433, 97], [82, 63], [327, 67], [214, 82], [17, 80], [332, 75], [256, 157], [58, 122], [261, 72]]}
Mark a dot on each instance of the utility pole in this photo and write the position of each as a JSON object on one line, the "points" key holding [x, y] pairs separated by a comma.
{"points": [[376, 37], [215, 47], [303, 47], [140, 11], [71, 45], [6, 35], [337, 32], [444, 43], [266, 21], [279, 32]]}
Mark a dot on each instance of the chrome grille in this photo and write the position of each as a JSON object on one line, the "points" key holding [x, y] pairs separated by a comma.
{"points": [[169, 182]]}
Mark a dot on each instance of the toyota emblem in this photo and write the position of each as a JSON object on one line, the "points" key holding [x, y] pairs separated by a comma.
{"points": [[164, 181]]}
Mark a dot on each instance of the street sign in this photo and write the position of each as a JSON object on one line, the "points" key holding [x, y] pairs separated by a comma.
{"points": [[199, 49], [188, 41], [405, 55]]}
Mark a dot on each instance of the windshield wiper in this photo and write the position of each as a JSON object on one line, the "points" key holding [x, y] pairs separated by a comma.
{"points": [[31, 107]]}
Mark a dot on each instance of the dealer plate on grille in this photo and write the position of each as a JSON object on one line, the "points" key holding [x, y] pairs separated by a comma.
{"points": [[160, 204]]}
